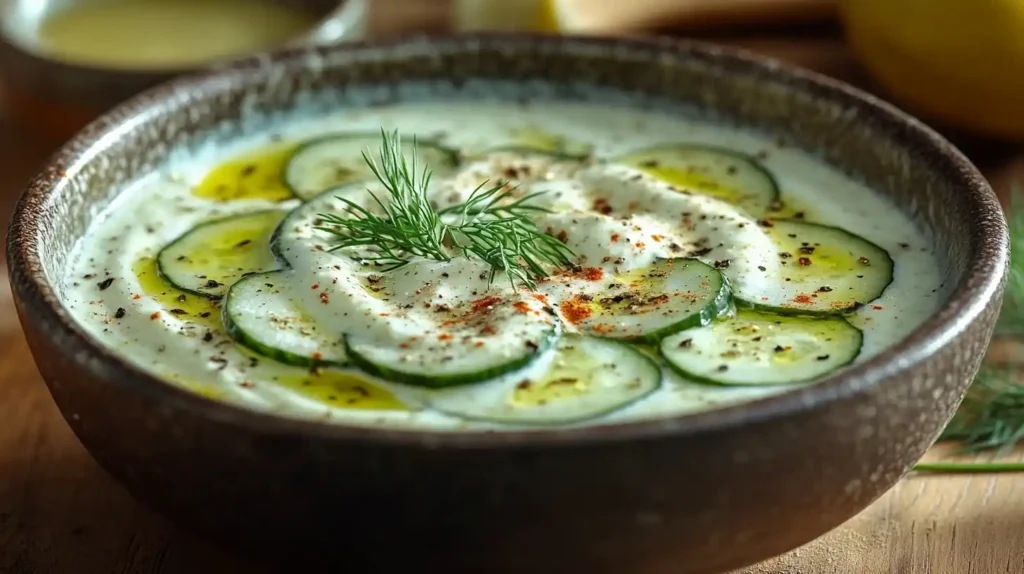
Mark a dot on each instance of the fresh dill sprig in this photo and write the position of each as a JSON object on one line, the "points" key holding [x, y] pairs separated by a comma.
{"points": [[991, 417], [1011, 317], [488, 226]]}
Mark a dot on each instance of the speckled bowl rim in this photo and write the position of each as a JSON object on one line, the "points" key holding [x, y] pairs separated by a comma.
{"points": [[981, 282]]}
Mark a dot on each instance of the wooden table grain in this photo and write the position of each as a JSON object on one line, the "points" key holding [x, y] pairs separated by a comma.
{"points": [[60, 514]]}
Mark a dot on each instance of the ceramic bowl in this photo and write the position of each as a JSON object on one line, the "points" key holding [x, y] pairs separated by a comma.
{"points": [[691, 494], [62, 97]]}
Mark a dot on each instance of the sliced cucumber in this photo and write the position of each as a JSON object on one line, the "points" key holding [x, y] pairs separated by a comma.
{"points": [[263, 316], [211, 256], [297, 232], [472, 344], [325, 162], [535, 154], [538, 140], [651, 303], [823, 270], [755, 348], [586, 377], [730, 176]]}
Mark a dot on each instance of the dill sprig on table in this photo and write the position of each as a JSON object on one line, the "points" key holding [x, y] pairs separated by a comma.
{"points": [[488, 226], [991, 417], [1011, 317]]}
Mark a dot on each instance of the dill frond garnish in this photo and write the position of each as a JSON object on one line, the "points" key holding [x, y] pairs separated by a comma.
{"points": [[991, 417], [1011, 317], [488, 226]]}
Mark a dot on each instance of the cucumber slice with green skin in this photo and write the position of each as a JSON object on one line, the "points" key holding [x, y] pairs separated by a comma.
{"points": [[648, 304], [543, 141], [213, 255], [732, 177], [529, 152], [823, 270], [329, 161], [585, 377], [755, 348], [297, 235], [469, 347], [259, 315]]}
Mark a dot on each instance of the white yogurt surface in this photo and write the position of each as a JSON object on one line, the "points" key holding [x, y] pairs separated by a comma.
{"points": [[161, 207]]}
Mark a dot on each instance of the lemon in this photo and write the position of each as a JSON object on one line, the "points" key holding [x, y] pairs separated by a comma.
{"points": [[959, 62], [502, 15], [537, 15]]}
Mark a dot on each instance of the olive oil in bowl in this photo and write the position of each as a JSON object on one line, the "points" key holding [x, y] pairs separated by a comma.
{"points": [[159, 34]]}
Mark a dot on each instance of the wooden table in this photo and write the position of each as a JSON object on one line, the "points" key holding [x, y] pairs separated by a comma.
{"points": [[60, 514]]}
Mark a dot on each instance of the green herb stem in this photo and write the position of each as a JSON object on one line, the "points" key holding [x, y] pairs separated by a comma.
{"points": [[1011, 316], [991, 417], [489, 227], [969, 467]]}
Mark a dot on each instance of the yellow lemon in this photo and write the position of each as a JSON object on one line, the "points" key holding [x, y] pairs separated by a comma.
{"points": [[959, 62], [536, 15], [504, 15]]}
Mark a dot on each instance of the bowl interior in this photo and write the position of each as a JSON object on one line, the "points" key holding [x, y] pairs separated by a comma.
{"points": [[921, 173]]}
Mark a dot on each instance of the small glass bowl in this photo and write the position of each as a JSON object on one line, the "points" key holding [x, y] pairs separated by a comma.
{"points": [[60, 97]]}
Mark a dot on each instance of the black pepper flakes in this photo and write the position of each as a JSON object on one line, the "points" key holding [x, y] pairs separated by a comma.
{"points": [[119, 313], [822, 357], [686, 343], [824, 289], [105, 283], [208, 337]]}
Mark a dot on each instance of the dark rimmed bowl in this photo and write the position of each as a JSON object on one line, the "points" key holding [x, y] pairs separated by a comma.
{"points": [[693, 494]]}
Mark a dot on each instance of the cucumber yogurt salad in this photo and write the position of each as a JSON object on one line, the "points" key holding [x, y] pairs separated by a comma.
{"points": [[499, 266]]}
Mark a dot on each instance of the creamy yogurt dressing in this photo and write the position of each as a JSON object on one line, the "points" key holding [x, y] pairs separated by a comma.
{"points": [[646, 226]]}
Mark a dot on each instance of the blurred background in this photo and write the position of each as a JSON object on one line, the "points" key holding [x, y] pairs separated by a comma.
{"points": [[955, 63]]}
